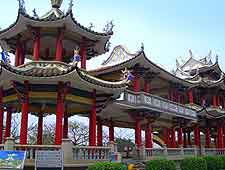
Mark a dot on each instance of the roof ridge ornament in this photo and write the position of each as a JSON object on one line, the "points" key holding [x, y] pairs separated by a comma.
{"points": [[70, 6], [190, 53], [108, 29], [56, 3], [142, 46], [22, 6], [217, 58]]}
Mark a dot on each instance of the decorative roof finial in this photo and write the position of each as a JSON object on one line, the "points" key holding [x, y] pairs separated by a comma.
{"points": [[108, 27], [22, 6], [91, 25], [70, 6], [190, 53], [56, 3], [217, 58], [35, 13], [142, 46], [177, 63]]}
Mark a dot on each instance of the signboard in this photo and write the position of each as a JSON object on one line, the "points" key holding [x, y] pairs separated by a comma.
{"points": [[12, 159], [49, 160]]}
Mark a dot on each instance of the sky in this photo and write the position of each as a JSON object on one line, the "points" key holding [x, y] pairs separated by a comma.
{"points": [[168, 28]]}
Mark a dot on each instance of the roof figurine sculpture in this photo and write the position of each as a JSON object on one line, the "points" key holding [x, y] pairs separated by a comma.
{"points": [[56, 3]]}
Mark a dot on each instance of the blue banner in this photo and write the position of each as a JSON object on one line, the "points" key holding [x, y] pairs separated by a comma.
{"points": [[12, 159]]}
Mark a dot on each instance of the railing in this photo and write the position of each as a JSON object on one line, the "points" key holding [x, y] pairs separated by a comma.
{"points": [[30, 149], [180, 152], [156, 103], [91, 153]]}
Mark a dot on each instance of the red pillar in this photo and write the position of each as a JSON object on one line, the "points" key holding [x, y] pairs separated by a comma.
{"points": [[197, 136], [40, 128], [65, 125], [92, 122], [146, 86], [165, 136], [8, 123], [59, 46], [22, 55], [1, 115], [148, 136], [207, 138], [138, 132], [83, 54], [223, 137], [111, 133], [180, 139], [214, 103], [59, 114], [18, 52], [220, 137], [24, 116], [190, 96], [173, 138], [136, 84], [36, 44], [99, 133]]}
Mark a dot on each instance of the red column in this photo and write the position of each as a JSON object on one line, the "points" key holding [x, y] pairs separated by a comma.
{"points": [[223, 137], [92, 122], [24, 116], [36, 44], [65, 125], [22, 55], [190, 96], [207, 138], [99, 133], [180, 139], [197, 136], [8, 123], [220, 137], [148, 136], [214, 103], [59, 114], [136, 84], [40, 127], [165, 136], [173, 138], [1, 115], [138, 132], [18, 52], [111, 133], [146, 86], [59, 46], [83, 54]]}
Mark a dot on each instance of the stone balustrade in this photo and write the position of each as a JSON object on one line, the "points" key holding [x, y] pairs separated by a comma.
{"points": [[156, 103], [180, 153]]}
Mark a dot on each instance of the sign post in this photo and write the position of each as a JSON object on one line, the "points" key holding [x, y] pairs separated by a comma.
{"points": [[49, 160], [12, 160]]}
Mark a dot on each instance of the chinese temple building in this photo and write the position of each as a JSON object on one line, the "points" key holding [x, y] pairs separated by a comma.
{"points": [[184, 109]]}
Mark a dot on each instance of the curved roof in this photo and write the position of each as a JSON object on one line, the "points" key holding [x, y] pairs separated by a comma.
{"points": [[52, 72], [56, 18], [120, 59]]}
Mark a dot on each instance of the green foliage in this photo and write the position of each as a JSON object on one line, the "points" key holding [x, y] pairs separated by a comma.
{"points": [[223, 162], [214, 162], [160, 164], [122, 142], [106, 166], [193, 163]]}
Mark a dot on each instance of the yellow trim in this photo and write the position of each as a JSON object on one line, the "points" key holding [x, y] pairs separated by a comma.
{"points": [[9, 98], [79, 99], [50, 95]]}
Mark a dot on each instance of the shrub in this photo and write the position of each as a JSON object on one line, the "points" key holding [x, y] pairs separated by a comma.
{"points": [[193, 163], [214, 162], [160, 164], [106, 166], [223, 162]]}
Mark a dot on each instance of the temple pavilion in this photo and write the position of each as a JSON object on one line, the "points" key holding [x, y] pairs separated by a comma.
{"points": [[184, 109]]}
